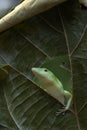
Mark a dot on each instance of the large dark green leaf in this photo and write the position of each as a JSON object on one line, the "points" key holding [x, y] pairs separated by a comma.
{"points": [[58, 32]]}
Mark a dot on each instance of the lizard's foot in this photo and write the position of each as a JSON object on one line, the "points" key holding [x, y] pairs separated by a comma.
{"points": [[61, 111]]}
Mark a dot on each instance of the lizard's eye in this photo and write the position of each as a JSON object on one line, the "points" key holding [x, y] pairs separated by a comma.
{"points": [[45, 70]]}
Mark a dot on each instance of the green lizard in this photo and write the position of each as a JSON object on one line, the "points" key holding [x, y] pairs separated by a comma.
{"points": [[52, 85]]}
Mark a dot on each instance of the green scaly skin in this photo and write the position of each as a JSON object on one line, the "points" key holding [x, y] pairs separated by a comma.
{"points": [[52, 85]]}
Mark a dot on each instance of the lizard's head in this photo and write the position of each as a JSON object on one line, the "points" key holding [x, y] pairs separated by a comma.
{"points": [[43, 74]]}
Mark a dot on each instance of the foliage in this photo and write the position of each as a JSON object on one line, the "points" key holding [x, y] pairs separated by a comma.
{"points": [[57, 32]]}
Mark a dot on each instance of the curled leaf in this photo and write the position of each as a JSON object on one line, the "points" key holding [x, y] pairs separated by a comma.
{"points": [[26, 9]]}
